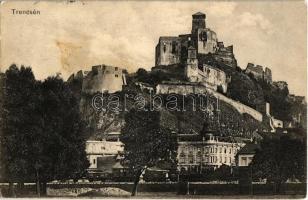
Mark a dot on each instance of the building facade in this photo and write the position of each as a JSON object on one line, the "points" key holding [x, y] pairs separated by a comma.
{"points": [[102, 150], [245, 155], [196, 154]]}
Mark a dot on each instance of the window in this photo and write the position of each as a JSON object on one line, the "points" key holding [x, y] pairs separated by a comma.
{"points": [[94, 161], [116, 68], [219, 149], [230, 150], [225, 150], [199, 157], [116, 75], [173, 50], [244, 161], [191, 158], [165, 47], [182, 158]]}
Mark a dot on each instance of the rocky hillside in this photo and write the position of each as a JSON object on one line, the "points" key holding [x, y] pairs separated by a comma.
{"points": [[243, 88]]}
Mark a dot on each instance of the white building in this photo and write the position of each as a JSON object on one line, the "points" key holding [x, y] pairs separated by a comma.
{"points": [[100, 149], [195, 153]]}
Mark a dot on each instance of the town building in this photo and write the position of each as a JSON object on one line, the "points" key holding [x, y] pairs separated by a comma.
{"points": [[246, 154], [99, 153], [197, 153]]}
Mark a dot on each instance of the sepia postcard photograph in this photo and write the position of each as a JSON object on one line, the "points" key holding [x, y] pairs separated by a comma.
{"points": [[153, 99]]}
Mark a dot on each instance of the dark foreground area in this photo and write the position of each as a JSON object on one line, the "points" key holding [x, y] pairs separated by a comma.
{"points": [[162, 190]]}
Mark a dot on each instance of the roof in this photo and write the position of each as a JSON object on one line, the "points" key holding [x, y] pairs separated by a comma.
{"points": [[191, 48], [199, 14], [249, 149], [169, 38], [114, 133], [156, 169]]}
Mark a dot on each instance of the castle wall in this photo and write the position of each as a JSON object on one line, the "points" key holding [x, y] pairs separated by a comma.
{"points": [[207, 41], [103, 78], [225, 55], [168, 51], [258, 73], [210, 76], [186, 89]]}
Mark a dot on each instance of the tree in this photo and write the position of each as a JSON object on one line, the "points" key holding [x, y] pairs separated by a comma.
{"points": [[63, 153], [21, 125], [146, 142], [280, 159], [43, 134]]}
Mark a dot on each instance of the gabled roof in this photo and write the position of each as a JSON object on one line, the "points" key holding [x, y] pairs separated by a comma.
{"points": [[191, 48], [199, 14], [249, 149]]}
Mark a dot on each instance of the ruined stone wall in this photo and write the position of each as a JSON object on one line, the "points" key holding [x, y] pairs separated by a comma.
{"points": [[209, 76], [257, 70], [168, 51], [214, 77], [258, 73], [103, 78], [186, 42], [207, 41], [225, 55], [185, 89], [267, 75]]}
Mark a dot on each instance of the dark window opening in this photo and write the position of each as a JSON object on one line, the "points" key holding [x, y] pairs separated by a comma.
{"points": [[164, 47], [173, 47]]}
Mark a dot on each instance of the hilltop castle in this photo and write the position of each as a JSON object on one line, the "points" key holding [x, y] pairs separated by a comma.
{"points": [[186, 49], [174, 50]]}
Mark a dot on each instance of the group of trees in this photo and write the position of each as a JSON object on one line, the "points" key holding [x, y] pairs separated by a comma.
{"points": [[42, 137], [280, 159]]}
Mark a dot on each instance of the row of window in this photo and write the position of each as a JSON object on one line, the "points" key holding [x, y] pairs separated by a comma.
{"points": [[211, 149], [208, 159]]}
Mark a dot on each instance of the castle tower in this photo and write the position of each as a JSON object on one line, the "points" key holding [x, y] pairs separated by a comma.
{"points": [[192, 65], [198, 21]]}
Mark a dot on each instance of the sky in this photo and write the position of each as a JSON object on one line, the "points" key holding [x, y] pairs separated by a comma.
{"points": [[67, 37]]}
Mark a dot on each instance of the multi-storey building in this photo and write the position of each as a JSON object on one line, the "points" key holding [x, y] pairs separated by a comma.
{"points": [[197, 153]]}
